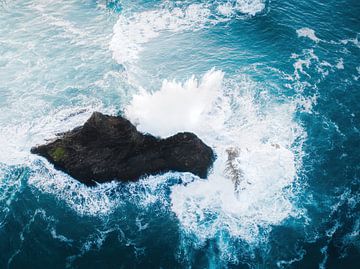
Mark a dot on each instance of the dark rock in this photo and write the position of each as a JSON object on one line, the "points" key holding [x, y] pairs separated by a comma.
{"points": [[107, 148]]}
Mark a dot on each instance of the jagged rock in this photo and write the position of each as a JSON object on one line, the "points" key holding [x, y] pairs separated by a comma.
{"points": [[108, 147]]}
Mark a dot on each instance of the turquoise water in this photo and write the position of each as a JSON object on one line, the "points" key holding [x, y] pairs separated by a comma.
{"points": [[275, 81]]}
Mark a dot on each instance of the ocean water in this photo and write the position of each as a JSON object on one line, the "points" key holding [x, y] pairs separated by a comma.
{"points": [[276, 82]]}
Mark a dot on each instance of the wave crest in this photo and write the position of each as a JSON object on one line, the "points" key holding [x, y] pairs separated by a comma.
{"points": [[227, 116]]}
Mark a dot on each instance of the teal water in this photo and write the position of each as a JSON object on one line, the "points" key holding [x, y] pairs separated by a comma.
{"points": [[276, 81]]}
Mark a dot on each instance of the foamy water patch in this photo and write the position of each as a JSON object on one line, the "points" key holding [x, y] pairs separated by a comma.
{"points": [[19, 135], [132, 32], [95, 201], [247, 7], [251, 7], [226, 115], [354, 41], [103, 199], [309, 33]]}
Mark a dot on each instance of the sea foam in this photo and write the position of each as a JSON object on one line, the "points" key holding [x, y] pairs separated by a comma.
{"points": [[226, 115], [250, 7], [131, 32], [309, 33]]}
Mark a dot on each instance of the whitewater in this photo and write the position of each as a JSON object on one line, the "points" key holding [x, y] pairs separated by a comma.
{"points": [[273, 95]]}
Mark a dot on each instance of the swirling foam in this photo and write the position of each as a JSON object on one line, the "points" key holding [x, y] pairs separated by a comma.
{"points": [[225, 114], [131, 32]]}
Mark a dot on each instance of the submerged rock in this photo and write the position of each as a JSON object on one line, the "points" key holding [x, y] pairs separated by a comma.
{"points": [[108, 147]]}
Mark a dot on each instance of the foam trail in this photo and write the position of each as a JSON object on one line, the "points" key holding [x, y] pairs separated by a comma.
{"points": [[85, 201], [132, 32], [225, 115]]}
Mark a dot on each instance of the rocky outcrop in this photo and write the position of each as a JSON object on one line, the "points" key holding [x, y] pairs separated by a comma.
{"points": [[108, 147]]}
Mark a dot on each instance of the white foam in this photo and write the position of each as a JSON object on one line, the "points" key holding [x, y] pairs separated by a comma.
{"points": [[305, 60], [18, 136], [60, 237], [85, 201], [340, 64], [103, 199], [248, 7], [225, 115], [354, 41], [226, 9], [308, 62], [251, 7], [132, 32], [148, 110], [309, 33]]}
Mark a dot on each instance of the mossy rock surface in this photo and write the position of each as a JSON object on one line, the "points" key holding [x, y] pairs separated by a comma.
{"points": [[58, 154]]}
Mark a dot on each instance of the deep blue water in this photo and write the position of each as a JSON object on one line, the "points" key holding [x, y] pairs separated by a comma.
{"points": [[279, 81]]}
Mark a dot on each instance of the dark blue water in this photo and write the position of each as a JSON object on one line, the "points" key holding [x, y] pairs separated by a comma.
{"points": [[277, 80]]}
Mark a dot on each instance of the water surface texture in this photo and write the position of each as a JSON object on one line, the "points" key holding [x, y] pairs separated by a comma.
{"points": [[276, 83]]}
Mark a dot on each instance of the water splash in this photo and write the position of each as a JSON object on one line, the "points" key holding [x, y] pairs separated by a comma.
{"points": [[226, 115]]}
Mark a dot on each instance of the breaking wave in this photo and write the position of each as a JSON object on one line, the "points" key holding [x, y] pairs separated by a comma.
{"points": [[226, 115]]}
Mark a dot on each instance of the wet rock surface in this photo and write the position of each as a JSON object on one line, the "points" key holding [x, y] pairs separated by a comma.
{"points": [[110, 148]]}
